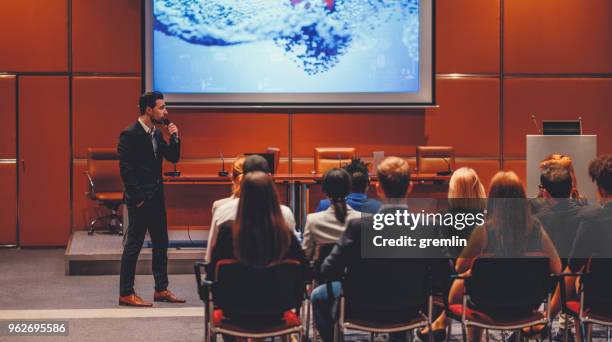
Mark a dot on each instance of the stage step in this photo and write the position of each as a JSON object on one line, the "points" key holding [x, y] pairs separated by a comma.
{"points": [[100, 254]]}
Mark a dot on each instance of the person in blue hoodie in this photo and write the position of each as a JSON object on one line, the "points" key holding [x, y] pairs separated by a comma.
{"points": [[358, 198]]}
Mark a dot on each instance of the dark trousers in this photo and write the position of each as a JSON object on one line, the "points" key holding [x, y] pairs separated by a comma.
{"points": [[150, 216]]}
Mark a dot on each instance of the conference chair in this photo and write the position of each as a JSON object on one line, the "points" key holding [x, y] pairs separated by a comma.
{"points": [[105, 186], [276, 152], [434, 159], [594, 302], [252, 303], [385, 296], [505, 294], [326, 158]]}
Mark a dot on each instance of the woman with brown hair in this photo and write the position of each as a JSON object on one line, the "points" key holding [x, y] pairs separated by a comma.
{"points": [[259, 235], [510, 231]]}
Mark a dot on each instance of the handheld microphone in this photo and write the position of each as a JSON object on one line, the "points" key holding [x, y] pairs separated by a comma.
{"points": [[535, 123], [174, 137], [222, 173], [447, 172], [166, 122]]}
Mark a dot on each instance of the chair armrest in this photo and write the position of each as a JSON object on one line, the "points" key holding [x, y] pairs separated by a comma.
{"points": [[92, 188], [203, 285], [458, 276], [567, 274]]}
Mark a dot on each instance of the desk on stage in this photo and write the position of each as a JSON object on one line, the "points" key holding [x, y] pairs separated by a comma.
{"points": [[189, 197]]}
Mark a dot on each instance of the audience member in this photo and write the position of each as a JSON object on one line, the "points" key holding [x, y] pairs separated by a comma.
{"points": [[227, 211], [326, 227], [393, 185], [360, 182], [237, 171], [510, 231]]}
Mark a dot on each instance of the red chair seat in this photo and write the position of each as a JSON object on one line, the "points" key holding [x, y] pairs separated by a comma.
{"points": [[574, 307], [499, 320], [290, 320]]}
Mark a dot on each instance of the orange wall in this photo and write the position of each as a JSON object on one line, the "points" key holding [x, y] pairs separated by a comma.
{"points": [[498, 61]]}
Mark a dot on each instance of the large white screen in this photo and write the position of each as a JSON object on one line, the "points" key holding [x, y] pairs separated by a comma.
{"points": [[290, 52]]}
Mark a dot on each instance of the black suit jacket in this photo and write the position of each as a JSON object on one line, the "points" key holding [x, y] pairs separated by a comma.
{"points": [[141, 172], [347, 254]]}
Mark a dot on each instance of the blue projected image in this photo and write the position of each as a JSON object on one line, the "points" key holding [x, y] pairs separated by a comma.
{"points": [[286, 46]]}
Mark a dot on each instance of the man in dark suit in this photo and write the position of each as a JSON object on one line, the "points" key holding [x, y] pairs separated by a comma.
{"points": [[141, 151]]}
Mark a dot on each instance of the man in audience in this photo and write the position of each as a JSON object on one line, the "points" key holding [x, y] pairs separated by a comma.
{"points": [[228, 210], [358, 198], [594, 236], [393, 186], [560, 215]]}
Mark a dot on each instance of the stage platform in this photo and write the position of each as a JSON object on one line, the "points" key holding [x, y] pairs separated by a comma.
{"points": [[100, 254]]}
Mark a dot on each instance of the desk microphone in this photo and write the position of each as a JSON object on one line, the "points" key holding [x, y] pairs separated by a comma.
{"points": [[447, 172], [222, 173], [535, 123], [166, 122]]}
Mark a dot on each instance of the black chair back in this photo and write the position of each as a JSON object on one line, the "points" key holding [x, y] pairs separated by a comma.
{"points": [[242, 291], [381, 287], [597, 285], [501, 286]]}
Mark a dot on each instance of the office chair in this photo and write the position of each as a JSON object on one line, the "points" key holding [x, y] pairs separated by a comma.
{"points": [[326, 158], [105, 186]]}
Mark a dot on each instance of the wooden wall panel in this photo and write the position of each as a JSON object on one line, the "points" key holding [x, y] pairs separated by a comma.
{"points": [[106, 35], [101, 108], [468, 114], [205, 135], [393, 132], [551, 99], [8, 198], [8, 138], [44, 137], [467, 36], [34, 36], [558, 36]]}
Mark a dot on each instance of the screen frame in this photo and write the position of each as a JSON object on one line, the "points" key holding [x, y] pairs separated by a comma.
{"points": [[426, 97]]}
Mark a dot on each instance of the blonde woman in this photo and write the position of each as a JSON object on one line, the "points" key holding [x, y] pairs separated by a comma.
{"points": [[466, 195], [237, 173]]}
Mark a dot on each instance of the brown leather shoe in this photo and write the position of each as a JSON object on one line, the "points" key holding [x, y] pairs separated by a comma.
{"points": [[167, 296], [133, 300]]}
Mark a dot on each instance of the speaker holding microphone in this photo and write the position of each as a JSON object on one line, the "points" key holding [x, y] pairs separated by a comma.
{"points": [[174, 137]]}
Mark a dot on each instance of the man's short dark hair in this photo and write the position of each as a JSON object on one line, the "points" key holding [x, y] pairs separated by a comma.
{"points": [[394, 177], [149, 99], [600, 170], [359, 175], [557, 181], [255, 162]]}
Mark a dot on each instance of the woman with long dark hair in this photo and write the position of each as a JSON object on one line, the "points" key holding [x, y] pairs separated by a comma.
{"points": [[259, 235]]}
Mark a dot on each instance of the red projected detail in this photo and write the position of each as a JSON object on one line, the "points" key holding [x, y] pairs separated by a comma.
{"points": [[330, 3]]}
